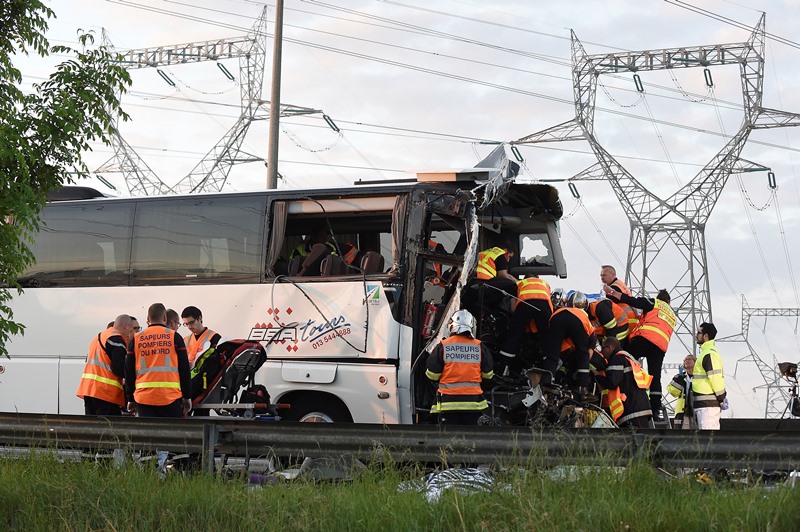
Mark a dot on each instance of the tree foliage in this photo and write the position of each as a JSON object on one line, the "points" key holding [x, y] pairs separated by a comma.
{"points": [[43, 133]]}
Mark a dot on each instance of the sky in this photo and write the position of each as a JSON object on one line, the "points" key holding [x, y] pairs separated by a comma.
{"points": [[416, 85]]}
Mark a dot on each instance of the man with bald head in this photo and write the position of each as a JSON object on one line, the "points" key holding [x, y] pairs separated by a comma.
{"points": [[608, 275], [101, 382]]}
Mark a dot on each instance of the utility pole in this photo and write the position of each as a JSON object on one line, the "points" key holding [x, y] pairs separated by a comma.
{"points": [[275, 99]]}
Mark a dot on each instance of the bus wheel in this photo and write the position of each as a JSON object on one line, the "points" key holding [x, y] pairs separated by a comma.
{"points": [[317, 410]]}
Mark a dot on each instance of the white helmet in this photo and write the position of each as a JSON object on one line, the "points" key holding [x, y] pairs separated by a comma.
{"points": [[577, 299], [558, 297], [462, 322]]}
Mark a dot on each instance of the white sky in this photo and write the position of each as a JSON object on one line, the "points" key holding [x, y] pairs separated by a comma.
{"points": [[417, 85]]}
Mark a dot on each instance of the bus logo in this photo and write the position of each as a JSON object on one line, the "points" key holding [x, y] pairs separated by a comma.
{"points": [[273, 334], [374, 294]]}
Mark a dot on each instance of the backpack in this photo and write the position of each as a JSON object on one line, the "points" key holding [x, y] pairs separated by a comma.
{"points": [[257, 393]]}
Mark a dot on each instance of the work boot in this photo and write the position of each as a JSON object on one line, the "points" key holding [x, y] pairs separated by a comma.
{"points": [[655, 406]]}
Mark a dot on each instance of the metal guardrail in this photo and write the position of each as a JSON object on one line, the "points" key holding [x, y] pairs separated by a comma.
{"points": [[762, 444]]}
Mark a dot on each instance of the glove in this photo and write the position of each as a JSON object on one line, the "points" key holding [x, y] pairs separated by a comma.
{"points": [[724, 405]]}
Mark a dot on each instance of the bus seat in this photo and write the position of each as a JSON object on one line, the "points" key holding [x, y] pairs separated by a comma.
{"points": [[333, 265], [372, 262], [313, 261], [295, 265]]}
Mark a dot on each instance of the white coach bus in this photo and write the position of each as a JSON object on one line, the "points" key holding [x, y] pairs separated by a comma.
{"points": [[341, 342]]}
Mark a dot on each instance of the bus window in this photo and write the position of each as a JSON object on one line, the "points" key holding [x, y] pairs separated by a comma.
{"points": [[81, 245], [357, 231], [535, 250], [203, 240]]}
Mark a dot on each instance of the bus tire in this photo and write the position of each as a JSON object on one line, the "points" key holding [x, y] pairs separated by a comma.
{"points": [[311, 409]]}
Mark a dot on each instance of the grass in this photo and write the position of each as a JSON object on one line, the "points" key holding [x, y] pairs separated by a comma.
{"points": [[41, 493]]}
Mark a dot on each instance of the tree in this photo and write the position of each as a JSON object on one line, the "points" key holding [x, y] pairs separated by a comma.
{"points": [[42, 134]]}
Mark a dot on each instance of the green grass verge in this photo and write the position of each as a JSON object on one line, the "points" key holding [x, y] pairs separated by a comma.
{"points": [[40, 493]]}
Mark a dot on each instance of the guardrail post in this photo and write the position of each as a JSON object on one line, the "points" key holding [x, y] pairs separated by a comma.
{"points": [[210, 439]]}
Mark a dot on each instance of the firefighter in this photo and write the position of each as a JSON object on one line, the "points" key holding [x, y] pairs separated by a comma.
{"points": [[458, 364], [157, 375], [532, 310], [492, 271], [568, 339], [200, 338], [651, 337], [681, 387], [608, 275], [708, 381], [624, 384], [608, 319], [101, 382]]}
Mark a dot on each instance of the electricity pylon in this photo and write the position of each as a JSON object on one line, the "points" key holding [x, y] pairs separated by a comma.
{"points": [[774, 384], [211, 173], [679, 220]]}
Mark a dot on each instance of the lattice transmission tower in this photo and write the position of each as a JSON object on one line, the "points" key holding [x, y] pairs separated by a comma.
{"points": [[677, 223], [211, 173], [776, 387]]}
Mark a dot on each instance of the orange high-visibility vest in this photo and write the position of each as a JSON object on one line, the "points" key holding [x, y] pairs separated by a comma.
{"points": [[462, 366], [533, 288], [158, 382], [98, 380], [350, 255], [620, 320], [613, 399], [486, 268], [194, 347], [436, 265], [567, 343], [656, 325]]}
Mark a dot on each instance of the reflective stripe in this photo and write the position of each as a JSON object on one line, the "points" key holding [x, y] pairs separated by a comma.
{"points": [[433, 376], [453, 385], [446, 406], [634, 415], [350, 256], [98, 378], [156, 384], [655, 330], [155, 369], [99, 364]]}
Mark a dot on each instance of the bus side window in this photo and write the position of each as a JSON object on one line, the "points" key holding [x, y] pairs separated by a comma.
{"points": [[81, 244]]}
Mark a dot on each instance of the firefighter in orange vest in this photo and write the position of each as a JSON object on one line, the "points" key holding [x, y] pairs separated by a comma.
{"points": [[624, 384], [101, 382], [568, 339], [200, 338], [532, 310], [608, 275], [651, 338], [157, 374], [436, 247], [459, 364], [492, 271], [608, 319]]}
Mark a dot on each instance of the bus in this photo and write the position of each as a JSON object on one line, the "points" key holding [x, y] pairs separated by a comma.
{"points": [[342, 339]]}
